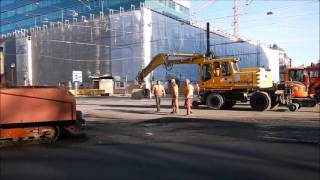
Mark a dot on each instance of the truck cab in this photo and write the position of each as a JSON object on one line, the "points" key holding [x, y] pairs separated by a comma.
{"points": [[297, 78]]}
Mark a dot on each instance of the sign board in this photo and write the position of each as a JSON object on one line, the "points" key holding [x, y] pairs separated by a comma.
{"points": [[77, 76], [117, 78]]}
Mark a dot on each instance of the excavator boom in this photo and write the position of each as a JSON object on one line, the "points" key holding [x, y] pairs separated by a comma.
{"points": [[163, 59]]}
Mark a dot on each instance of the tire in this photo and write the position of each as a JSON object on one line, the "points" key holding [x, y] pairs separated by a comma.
{"points": [[260, 101], [228, 104], [215, 101], [299, 105], [293, 107], [195, 104]]}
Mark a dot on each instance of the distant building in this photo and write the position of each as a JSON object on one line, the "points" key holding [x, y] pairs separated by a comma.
{"points": [[26, 14], [284, 60], [118, 43]]}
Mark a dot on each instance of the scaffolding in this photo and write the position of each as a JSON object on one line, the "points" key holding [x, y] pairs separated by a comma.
{"points": [[119, 44]]}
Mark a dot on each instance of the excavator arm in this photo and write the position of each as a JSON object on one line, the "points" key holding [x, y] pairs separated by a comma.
{"points": [[163, 59]]}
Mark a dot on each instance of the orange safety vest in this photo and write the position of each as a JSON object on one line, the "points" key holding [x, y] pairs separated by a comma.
{"points": [[189, 91], [174, 91], [158, 90], [197, 88]]}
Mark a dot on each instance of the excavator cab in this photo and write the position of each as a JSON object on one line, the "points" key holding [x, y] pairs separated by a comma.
{"points": [[218, 74], [298, 79], [297, 75]]}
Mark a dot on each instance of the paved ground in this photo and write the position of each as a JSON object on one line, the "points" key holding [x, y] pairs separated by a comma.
{"points": [[126, 139]]}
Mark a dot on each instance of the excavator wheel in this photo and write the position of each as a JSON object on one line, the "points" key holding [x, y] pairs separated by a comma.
{"points": [[195, 104], [260, 101], [215, 101], [228, 104], [299, 105], [293, 107]]}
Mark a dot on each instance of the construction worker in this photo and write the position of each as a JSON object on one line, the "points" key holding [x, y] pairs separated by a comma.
{"points": [[174, 91], [158, 92], [188, 96], [197, 89], [216, 69]]}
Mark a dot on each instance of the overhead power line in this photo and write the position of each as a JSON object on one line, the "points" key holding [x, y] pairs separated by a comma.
{"points": [[260, 12]]}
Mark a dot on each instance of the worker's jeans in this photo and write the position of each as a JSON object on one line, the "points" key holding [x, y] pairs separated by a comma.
{"points": [[158, 101]]}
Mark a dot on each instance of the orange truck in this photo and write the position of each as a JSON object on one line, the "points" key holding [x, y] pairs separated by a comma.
{"points": [[35, 113], [305, 82], [314, 79]]}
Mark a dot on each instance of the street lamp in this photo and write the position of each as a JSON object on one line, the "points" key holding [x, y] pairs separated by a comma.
{"points": [[269, 13], [12, 68]]}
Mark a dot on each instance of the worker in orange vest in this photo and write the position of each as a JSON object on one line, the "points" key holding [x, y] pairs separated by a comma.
{"points": [[174, 91], [158, 92], [216, 69], [197, 89], [188, 96]]}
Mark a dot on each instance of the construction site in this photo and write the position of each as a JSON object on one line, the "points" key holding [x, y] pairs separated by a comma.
{"points": [[142, 89]]}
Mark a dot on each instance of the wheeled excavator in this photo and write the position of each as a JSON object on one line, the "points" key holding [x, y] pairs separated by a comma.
{"points": [[305, 82], [222, 83]]}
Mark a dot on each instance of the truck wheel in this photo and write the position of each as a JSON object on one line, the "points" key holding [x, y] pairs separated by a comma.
{"points": [[215, 101], [293, 107], [299, 105], [195, 104], [260, 101], [228, 104]]}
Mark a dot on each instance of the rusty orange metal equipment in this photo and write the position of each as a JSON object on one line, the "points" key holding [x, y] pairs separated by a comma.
{"points": [[35, 113], [305, 82]]}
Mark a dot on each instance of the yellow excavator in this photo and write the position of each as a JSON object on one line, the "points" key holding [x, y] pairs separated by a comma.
{"points": [[222, 83]]}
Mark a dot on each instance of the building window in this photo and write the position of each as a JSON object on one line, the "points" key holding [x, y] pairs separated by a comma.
{"points": [[185, 10], [178, 8], [172, 4], [119, 85], [314, 74]]}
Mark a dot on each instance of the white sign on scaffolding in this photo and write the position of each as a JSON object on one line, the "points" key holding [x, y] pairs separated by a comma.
{"points": [[77, 76]]}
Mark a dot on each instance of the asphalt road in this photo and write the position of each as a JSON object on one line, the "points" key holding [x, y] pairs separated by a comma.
{"points": [[126, 139]]}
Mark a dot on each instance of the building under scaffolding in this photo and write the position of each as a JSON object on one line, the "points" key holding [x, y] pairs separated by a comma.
{"points": [[119, 45]]}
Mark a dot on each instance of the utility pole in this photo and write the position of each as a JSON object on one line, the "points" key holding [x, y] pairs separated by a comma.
{"points": [[208, 40], [235, 19]]}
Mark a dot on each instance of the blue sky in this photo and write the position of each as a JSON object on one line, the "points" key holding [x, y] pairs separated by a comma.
{"points": [[293, 25]]}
